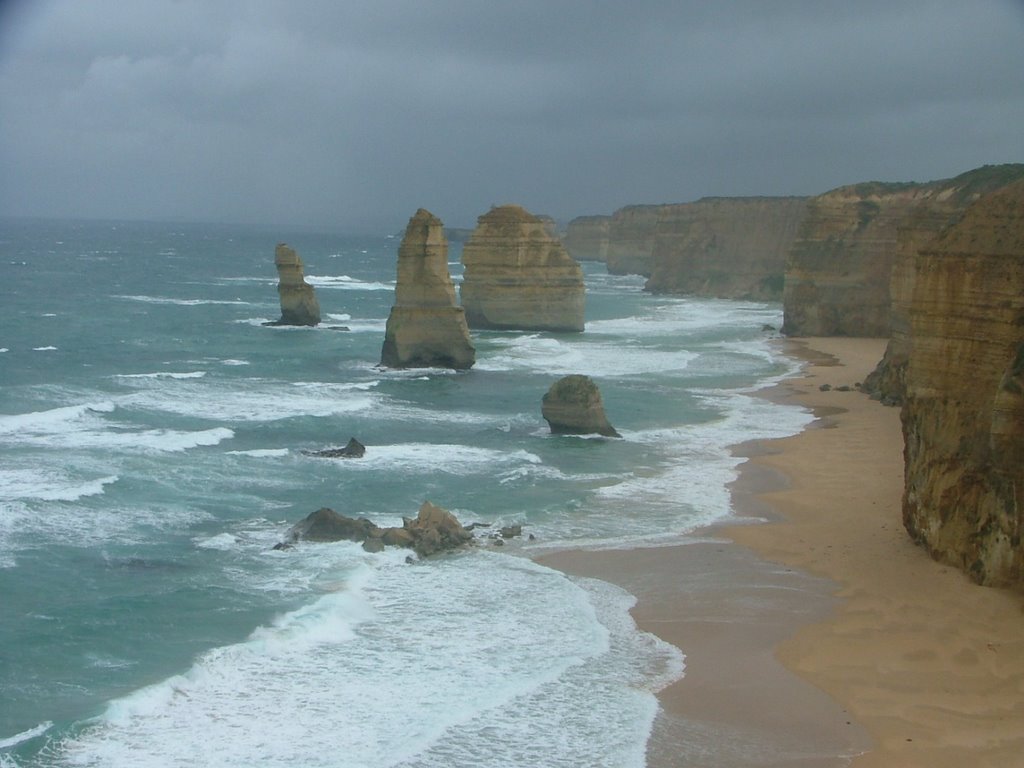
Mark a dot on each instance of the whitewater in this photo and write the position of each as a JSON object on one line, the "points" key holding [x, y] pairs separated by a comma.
{"points": [[154, 440]]}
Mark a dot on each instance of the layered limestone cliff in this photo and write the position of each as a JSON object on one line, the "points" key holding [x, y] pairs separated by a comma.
{"points": [[426, 328], [586, 238], [963, 417], [519, 276], [631, 233], [941, 209], [838, 271], [725, 247], [298, 302]]}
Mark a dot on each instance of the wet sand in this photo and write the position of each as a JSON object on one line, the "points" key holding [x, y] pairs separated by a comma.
{"points": [[898, 660]]}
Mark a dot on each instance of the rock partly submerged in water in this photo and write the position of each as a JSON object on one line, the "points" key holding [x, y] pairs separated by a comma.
{"points": [[573, 406], [352, 450], [298, 301], [432, 531], [426, 328]]}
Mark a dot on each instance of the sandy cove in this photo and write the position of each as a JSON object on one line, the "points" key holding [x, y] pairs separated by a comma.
{"points": [[900, 661]]}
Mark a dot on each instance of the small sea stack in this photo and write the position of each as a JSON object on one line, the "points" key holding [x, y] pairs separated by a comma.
{"points": [[573, 406], [426, 328], [298, 302], [519, 275]]}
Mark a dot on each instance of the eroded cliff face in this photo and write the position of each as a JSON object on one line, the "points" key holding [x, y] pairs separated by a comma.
{"points": [[586, 238], [725, 247], [298, 301], [838, 271], [519, 276], [426, 328], [631, 233], [963, 416], [942, 208]]}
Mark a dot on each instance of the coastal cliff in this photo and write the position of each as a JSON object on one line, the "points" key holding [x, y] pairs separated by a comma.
{"points": [[631, 232], [519, 276], [725, 247], [839, 269], [963, 416], [941, 209], [426, 328], [586, 238]]}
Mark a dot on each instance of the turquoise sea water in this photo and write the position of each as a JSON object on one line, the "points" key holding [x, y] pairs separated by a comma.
{"points": [[151, 454]]}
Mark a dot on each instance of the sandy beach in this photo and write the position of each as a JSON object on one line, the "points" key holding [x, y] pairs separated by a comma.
{"points": [[825, 637]]}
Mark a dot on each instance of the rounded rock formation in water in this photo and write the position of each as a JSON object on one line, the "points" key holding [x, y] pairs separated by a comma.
{"points": [[519, 275], [573, 406]]}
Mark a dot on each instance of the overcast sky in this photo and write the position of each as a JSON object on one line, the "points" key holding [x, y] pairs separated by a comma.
{"points": [[350, 114]]}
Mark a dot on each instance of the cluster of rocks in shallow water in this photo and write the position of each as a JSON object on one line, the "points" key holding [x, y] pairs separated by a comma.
{"points": [[427, 328], [432, 531]]}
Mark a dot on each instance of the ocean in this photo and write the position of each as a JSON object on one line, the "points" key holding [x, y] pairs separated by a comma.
{"points": [[153, 438]]}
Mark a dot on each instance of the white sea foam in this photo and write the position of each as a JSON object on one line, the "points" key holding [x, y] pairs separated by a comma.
{"points": [[687, 316], [232, 361], [48, 484], [367, 325], [86, 426], [222, 541], [691, 486], [180, 302], [261, 453], [561, 356], [31, 733], [163, 375], [347, 283], [44, 349], [52, 419], [345, 676], [436, 457], [252, 401], [4, 349]]}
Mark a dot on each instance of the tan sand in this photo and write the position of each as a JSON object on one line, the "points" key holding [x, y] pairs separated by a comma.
{"points": [[931, 665]]}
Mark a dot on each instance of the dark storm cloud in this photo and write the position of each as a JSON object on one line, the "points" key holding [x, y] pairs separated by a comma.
{"points": [[353, 114]]}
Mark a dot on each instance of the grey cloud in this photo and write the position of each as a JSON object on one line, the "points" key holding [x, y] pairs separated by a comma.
{"points": [[353, 114]]}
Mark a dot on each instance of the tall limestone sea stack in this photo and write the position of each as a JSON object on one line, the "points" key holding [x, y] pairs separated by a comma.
{"points": [[518, 275], [963, 416], [426, 328], [298, 302]]}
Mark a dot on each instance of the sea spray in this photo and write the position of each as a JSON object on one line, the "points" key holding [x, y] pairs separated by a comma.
{"points": [[153, 460]]}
